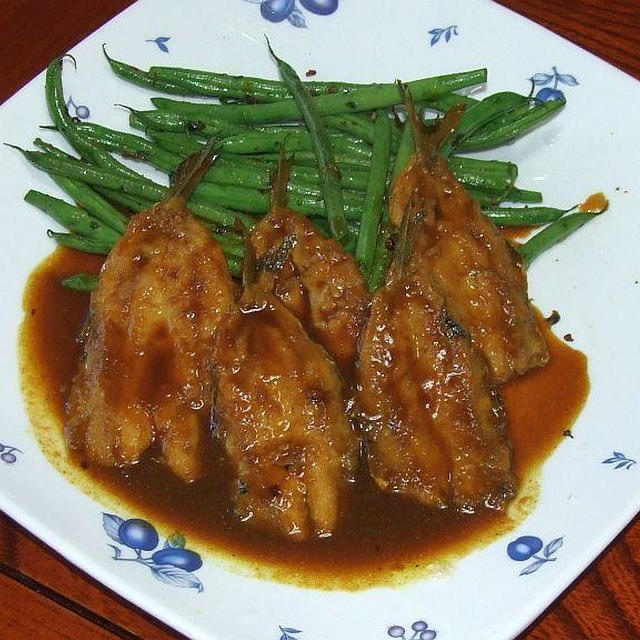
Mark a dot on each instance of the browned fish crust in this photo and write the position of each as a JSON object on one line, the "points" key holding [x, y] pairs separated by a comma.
{"points": [[315, 278], [474, 267], [431, 415], [145, 376], [280, 412]]}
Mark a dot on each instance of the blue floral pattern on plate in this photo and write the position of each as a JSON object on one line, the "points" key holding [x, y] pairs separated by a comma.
{"points": [[526, 547], [161, 41], [80, 111], [555, 77], [8, 453], [279, 10], [447, 32], [172, 564], [620, 461], [288, 633], [420, 630]]}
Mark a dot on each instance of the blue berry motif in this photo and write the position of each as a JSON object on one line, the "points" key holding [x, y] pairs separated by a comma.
{"points": [[280, 10], [620, 461], [320, 7], [161, 42], [276, 10], [552, 93], [288, 633], [172, 564], [8, 453], [526, 547], [420, 630], [446, 32], [79, 111]]}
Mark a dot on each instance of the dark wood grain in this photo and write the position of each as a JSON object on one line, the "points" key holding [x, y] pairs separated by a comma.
{"points": [[35, 32], [25, 554], [43, 596], [26, 613], [608, 29]]}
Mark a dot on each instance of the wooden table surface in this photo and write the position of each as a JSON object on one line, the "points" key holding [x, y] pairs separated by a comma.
{"points": [[43, 596]]}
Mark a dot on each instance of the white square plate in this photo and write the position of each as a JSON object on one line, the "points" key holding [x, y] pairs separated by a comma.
{"points": [[592, 277]]}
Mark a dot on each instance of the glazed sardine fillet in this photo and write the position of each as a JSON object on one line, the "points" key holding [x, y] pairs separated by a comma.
{"points": [[145, 378], [280, 412], [430, 413], [474, 267], [315, 278]]}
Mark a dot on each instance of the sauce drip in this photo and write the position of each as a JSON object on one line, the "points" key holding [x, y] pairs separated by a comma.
{"points": [[381, 538], [596, 202]]}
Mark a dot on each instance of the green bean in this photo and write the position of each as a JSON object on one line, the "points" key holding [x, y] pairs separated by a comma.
{"points": [[523, 195], [483, 198], [330, 180], [512, 126], [231, 249], [74, 219], [248, 89], [220, 172], [80, 243], [491, 198], [154, 154], [98, 176], [364, 99], [83, 234], [354, 177], [219, 214], [93, 202], [179, 143], [256, 172], [234, 266], [448, 100], [257, 202], [133, 204], [142, 78], [53, 150], [251, 172], [553, 234], [523, 216], [84, 195], [209, 200], [374, 198], [492, 176], [382, 257], [131, 146], [239, 139], [207, 127], [220, 85], [81, 282], [489, 175], [308, 159], [295, 140], [482, 114], [405, 150], [59, 114], [355, 124], [147, 190], [162, 121]]}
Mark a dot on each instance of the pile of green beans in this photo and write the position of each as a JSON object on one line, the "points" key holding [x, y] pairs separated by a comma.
{"points": [[346, 143]]}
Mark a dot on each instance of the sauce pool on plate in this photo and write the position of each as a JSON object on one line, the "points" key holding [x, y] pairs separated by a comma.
{"points": [[380, 538]]}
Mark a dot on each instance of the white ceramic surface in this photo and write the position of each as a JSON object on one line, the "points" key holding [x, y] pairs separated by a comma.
{"points": [[592, 278]]}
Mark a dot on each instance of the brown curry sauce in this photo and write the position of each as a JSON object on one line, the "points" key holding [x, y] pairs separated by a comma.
{"points": [[381, 538]]}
